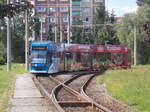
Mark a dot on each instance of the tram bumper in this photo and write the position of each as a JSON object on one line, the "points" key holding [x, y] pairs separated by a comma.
{"points": [[38, 68], [34, 72]]}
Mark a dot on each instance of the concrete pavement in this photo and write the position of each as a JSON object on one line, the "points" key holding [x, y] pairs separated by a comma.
{"points": [[27, 97]]}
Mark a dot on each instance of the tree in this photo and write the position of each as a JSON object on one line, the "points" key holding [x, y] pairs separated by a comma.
{"points": [[18, 41], [100, 15], [125, 32], [142, 2], [51, 35], [2, 41], [77, 33], [35, 25], [11, 10], [105, 34]]}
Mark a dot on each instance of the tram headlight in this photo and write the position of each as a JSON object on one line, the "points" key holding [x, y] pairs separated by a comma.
{"points": [[32, 64], [44, 65]]}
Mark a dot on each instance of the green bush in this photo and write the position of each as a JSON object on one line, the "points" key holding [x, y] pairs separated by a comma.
{"points": [[2, 60]]}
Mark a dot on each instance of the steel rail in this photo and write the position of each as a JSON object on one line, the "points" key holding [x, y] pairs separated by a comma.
{"points": [[84, 101], [50, 96], [47, 94], [61, 85], [83, 88], [83, 92]]}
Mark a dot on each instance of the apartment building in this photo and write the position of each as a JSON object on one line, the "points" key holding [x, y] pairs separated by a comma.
{"points": [[64, 13], [89, 8]]}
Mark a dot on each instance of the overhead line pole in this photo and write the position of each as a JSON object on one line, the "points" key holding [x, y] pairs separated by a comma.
{"points": [[68, 36], [61, 30], [26, 41], [41, 30], [8, 44], [135, 46], [68, 29], [55, 29], [56, 22]]}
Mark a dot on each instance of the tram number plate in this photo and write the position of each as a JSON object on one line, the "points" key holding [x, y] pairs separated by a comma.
{"points": [[39, 47], [38, 68]]}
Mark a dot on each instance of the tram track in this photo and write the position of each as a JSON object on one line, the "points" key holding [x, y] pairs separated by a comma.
{"points": [[102, 98], [67, 98]]}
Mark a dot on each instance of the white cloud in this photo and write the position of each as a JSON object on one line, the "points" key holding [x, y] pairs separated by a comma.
{"points": [[120, 11]]}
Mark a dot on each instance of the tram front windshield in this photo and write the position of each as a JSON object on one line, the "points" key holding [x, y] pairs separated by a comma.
{"points": [[38, 56]]}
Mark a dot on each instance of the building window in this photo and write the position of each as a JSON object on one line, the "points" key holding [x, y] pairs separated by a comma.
{"points": [[98, 0], [85, 10], [43, 30], [63, 9], [85, 0], [53, 29], [42, 19], [41, 9], [63, 0], [40, 0], [52, 9], [52, 19], [65, 19], [85, 19]]}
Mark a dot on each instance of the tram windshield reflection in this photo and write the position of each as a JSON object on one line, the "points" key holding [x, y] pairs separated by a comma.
{"points": [[38, 56]]}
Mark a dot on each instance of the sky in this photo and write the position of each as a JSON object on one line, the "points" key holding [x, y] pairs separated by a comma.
{"points": [[121, 7]]}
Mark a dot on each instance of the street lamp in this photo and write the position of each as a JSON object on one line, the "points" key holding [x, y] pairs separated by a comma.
{"points": [[42, 19]]}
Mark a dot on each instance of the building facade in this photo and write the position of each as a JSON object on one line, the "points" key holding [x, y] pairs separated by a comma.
{"points": [[62, 14]]}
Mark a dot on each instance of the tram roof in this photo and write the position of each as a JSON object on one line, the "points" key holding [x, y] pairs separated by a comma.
{"points": [[42, 43], [111, 48], [79, 48]]}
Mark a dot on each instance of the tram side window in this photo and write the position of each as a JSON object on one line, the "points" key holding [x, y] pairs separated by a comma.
{"points": [[54, 55], [78, 57], [100, 58], [94, 58], [86, 59], [118, 58], [69, 57], [60, 56], [49, 57], [107, 58], [129, 58]]}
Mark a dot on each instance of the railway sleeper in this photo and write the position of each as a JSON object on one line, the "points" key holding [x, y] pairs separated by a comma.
{"points": [[80, 104], [74, 103]]}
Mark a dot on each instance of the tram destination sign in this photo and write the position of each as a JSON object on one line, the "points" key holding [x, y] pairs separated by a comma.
{"points": [[39, 48]]}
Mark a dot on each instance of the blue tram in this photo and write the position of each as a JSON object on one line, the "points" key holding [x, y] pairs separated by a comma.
{"points": [[43, 58]]}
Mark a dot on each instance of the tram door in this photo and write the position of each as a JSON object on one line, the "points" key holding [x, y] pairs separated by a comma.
{"points": [[108, 58], [54, 60], [86, 60], [118, 59], [69, 60]]}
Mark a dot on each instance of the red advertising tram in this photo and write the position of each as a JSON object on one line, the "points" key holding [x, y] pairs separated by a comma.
{"points": [[111, 56], [86, 57]]}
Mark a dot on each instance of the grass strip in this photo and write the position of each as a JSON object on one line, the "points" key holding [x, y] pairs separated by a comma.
{"points": [[130, 86]]}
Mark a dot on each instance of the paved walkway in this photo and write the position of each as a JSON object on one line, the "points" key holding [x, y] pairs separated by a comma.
{"points": [[26, 96]]}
